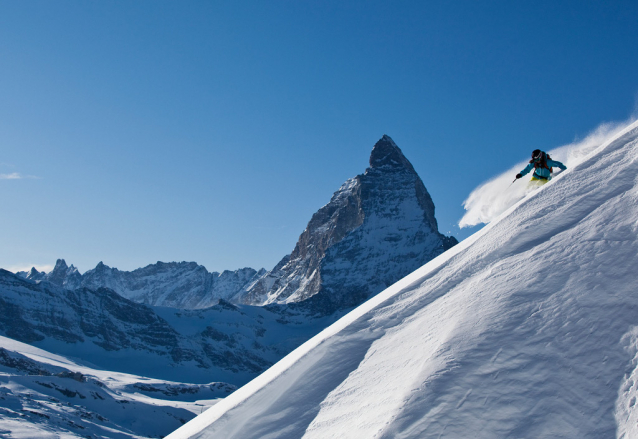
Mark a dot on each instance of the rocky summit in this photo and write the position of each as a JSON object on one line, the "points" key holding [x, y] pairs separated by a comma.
{"points": [[378, 227]]}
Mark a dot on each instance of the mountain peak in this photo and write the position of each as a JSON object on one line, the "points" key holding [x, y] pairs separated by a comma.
{"points": [[378, 227], [386, 153], [60, 264]]}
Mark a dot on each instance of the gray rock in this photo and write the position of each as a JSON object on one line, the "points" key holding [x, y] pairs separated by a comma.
{"points": [[377, 228]]}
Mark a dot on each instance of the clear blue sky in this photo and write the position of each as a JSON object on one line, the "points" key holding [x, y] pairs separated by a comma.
{"points": [[211, 131]]}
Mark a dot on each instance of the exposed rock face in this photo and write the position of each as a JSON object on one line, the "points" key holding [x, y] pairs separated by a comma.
{"points": [[377, 228], [176, 284], [64, 276]]}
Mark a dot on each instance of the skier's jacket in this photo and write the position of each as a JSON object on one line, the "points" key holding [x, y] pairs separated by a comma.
{"points": [[541, 172]]}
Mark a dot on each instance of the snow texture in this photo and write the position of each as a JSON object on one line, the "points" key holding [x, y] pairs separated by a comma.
{"points": [[527, 329]]}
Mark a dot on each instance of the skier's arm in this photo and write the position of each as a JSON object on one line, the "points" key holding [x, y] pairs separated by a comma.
{"points": [[527, 169], [554, 163]]}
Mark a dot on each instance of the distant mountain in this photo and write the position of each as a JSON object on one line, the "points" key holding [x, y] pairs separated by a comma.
{"points": [[176, 284], [45, 395], [378, 227], [179, 322], [221, 343]]}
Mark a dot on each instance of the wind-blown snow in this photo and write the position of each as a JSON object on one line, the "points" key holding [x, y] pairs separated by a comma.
{"points": [[494, 197], [525, 329]]}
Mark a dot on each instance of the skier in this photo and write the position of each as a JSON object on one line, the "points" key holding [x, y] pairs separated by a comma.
{"points": [[542, 164]]}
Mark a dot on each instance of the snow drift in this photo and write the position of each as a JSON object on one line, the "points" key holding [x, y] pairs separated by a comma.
{"points": [[529, 328]]}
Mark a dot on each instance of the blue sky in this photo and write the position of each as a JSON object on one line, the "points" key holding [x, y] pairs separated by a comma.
{"points": [[138, 131]]}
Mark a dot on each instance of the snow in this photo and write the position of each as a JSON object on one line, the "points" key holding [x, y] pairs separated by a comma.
{"points": [[526, 329], [626, 413], [47, 395]]}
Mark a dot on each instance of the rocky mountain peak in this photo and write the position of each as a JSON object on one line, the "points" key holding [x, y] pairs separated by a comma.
{"points": [[386, 154], [62, 274], [60, 265], [35, 275], [378, 227]]}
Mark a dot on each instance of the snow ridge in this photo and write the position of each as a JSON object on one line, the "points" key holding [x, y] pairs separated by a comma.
{"points": [[520, 331]]}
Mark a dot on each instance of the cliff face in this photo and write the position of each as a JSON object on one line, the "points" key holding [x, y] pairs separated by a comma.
{"points": [[378, 227]]}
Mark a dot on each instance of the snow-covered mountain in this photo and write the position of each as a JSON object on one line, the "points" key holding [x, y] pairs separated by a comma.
{"points": [[44, 395], [225, 344], [378, 227], [176, 284], [527, 329], [221, 343]]}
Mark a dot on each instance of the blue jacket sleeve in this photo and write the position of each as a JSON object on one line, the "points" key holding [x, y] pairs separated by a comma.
{"points": [[555, 164], [527, 169]]}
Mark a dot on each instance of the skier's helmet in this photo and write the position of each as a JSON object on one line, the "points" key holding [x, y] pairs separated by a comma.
{"points": [[537, 154]]}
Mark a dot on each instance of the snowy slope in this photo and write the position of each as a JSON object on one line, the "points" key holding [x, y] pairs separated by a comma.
{"points": [[45, 395], [527, 329]]}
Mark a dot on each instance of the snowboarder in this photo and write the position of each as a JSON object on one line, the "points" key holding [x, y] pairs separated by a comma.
{"points": [[542, 164]]}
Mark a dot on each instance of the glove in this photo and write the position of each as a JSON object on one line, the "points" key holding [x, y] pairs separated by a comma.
{"points": [[518, 176]]}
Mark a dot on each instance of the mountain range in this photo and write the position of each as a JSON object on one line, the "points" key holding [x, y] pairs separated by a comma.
{"points": [[378, 227]]}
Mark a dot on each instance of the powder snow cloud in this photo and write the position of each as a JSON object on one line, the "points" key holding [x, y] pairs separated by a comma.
{"points": [[490, 199]]}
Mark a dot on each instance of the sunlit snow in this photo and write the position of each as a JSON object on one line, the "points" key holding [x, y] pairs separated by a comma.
{"points": [[525, 329]]}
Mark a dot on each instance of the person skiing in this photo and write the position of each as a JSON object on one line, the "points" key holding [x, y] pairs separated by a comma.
{"points": [[542, 164]]}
